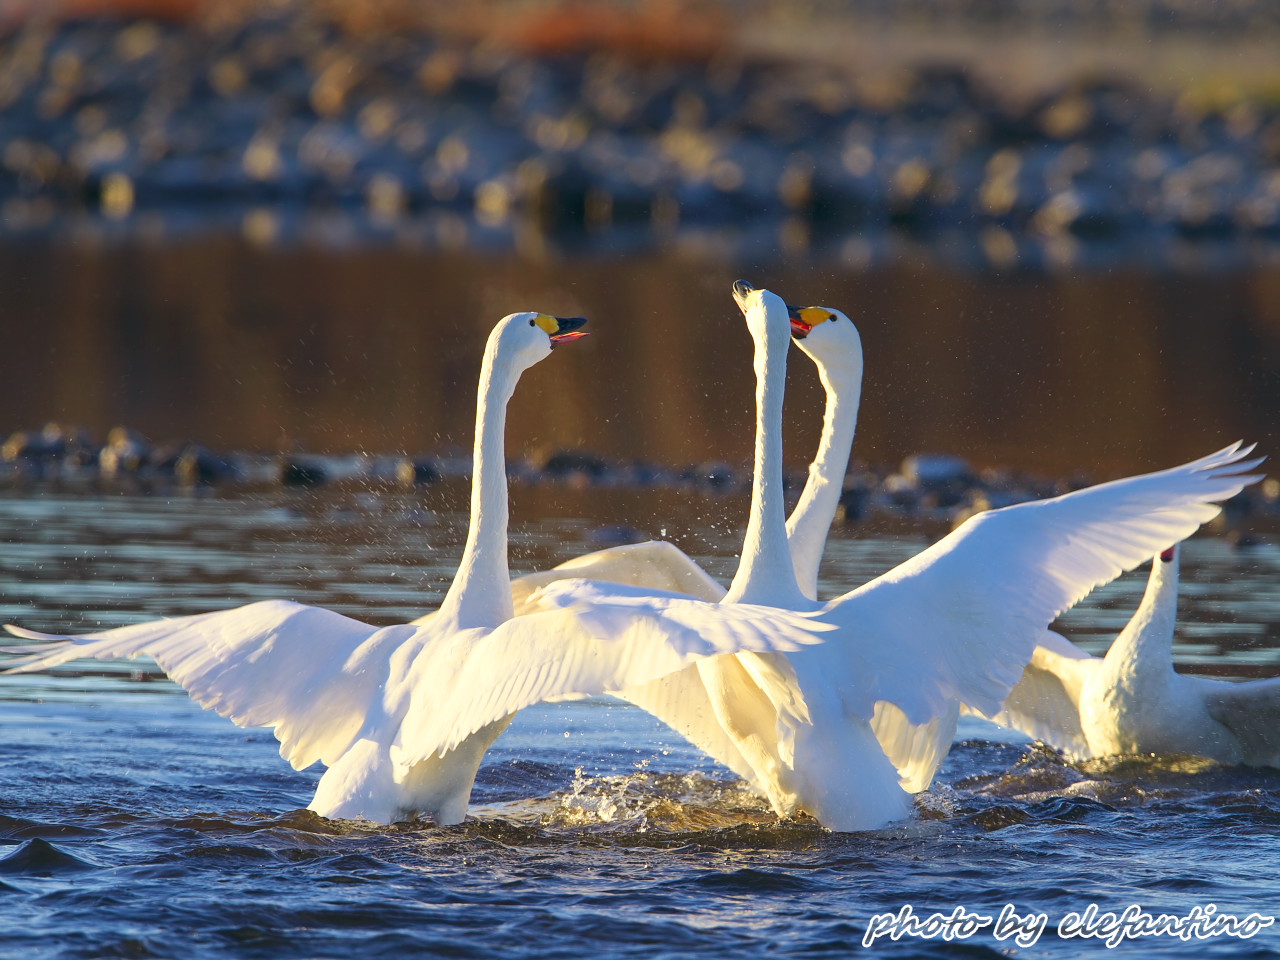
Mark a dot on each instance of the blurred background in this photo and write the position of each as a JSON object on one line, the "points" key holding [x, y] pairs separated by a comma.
{"points": [[288, 226]]}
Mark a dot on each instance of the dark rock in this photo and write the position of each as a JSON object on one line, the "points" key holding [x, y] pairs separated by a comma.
{"points": [[294, 472]]}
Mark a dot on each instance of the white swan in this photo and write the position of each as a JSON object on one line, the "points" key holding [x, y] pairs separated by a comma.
{"points": [[1133, 702], [831, 340], [954, 624], [403, 715]]}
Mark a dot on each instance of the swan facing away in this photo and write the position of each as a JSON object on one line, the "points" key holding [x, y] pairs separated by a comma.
{"points": [[955, 624], [1132, 702], [402, 715]]}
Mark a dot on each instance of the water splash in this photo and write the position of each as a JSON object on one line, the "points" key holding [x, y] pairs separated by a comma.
{"points": [[643, 801]]}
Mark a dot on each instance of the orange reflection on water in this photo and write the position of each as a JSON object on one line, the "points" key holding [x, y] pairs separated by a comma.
{"points": [[377, 349]]}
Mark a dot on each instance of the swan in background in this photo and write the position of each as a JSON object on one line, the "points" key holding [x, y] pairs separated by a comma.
{"points": [[403, 715], [1133, 702], [954, 624]]}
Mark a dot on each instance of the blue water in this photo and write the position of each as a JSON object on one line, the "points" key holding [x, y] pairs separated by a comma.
{"points": [[134, 824]]}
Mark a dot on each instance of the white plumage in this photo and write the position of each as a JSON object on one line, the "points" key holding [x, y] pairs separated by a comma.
{"points": [[831, 340], [403, 715], [954, 624]]}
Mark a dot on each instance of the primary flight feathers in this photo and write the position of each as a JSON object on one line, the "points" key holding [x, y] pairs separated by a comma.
{"points": [[959, 620], [969, 610], [313, 674]]}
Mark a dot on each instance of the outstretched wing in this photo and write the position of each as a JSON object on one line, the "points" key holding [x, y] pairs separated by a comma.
{"points": [[959, 620], [1045, 703], [678, 699], [594, 638], [655, 565], [310, 673]]}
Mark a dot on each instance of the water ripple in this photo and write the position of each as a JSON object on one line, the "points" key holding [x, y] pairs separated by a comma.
{"points": [[40, 858]]}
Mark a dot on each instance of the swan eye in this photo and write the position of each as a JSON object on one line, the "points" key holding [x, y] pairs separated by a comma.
{"points": [[533, 323]]}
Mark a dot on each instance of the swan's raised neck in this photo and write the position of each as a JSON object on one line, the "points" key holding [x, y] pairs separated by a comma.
{"points": [[1147, 640], [765, 573], [479, 595], [836, 350]]}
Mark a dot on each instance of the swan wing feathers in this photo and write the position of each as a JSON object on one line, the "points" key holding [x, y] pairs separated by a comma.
{"points": [[916, 750], [309, 673], [1045, 703], [959, 620], [1251, 711], [699, 627], [680, 701], [596, 638], [655, 564]]}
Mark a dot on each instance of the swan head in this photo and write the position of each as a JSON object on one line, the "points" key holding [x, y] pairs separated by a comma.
{"points": [[522, 339], [827, 335], [766, 312]]}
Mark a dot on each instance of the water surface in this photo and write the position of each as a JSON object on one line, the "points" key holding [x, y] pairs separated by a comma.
{"points": [[135, 824]]}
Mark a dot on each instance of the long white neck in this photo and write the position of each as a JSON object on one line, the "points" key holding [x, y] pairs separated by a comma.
{"points": [[480, 595], [1146, 643], [811, 520], [765, 574]]}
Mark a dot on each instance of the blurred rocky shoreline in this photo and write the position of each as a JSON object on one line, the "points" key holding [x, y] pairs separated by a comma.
{"points": [[925, 488], [617, 128]]}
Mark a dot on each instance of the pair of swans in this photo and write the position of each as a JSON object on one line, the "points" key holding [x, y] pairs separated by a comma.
{"points": [[831, 340], [402, 716], [845, 729], [1132, 702]]}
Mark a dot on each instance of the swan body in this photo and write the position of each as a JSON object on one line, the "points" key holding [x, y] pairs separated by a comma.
{"points": [[1133, 702], [954, 624], [402, 715], [739, 704]]}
